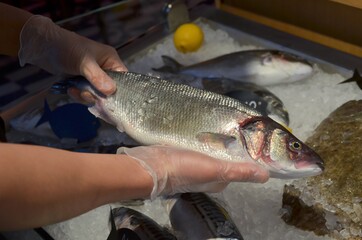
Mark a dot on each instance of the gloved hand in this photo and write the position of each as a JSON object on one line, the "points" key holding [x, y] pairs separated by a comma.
{"points": [[177, 170], [59, 51]]}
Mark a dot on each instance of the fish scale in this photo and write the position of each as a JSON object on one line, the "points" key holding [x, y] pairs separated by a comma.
{"points": [[186, 106]]}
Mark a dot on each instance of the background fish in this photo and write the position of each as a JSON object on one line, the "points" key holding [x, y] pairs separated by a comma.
{"points": [[71, 120], [155, 111], [140, 224], [251, 94], [195, 216], [262, 67]]}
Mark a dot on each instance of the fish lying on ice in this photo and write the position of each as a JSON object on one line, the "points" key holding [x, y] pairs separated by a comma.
{"points": [[155, 111], [251, 94], [129, 222], [195, 216], [263, 67], [71, 120]]}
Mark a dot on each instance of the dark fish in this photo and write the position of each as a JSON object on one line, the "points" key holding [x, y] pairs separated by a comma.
{"points": [[251, 94], [262, 67], [127, 234], [355, 78], [143, 226], [122, 233], [71, 120], [195, 216]]}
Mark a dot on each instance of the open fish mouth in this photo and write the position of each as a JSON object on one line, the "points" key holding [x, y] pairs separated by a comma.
{"points": [[307, 165], [313, 170]]}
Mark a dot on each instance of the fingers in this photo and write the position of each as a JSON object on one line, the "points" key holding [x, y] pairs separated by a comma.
{"points": [[113, 62], [178, 170], [98, 78], [81, 96], [243, 172], [211, 187]]}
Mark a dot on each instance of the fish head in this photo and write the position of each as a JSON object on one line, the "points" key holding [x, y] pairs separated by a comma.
{"points": [[279, 151], [275, 107], [125, 218], [286, 65]]}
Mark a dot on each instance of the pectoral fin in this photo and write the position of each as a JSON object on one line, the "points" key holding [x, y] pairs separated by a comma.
{"points": [[216, 140]]}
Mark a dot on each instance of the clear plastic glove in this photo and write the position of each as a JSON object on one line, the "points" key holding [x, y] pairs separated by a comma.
{"points": [[177, 170], [59, 51]]}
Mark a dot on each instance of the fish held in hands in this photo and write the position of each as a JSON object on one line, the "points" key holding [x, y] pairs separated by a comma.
{"points": [[155, 111]]}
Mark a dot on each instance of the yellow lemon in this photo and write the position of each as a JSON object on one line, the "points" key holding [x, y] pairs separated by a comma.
{"points": [[188, 38]]}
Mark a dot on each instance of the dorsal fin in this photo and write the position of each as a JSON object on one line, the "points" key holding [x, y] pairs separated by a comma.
{"points": [[46, 114]]}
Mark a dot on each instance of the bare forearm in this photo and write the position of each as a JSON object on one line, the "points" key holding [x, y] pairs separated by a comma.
{"points": [[41, 185], [11, 22]]}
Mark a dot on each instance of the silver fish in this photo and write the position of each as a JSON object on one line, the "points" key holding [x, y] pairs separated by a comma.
{"points": [[142, 225], [263, 67], [195, 216], [251, 94], [155, 111]]}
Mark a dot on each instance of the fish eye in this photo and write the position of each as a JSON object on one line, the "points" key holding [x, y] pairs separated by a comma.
{"points": [[267, 59], [296, 146]]}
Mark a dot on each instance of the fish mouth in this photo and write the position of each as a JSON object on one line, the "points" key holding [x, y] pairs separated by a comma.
{"points": [[312, 170], [308, 164], [300, 169], [321, 165]]}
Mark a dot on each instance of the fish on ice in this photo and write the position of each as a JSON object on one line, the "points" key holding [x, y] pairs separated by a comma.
{"points": [[72, 120], [251, 94], [195, 216], [263, 67], [131, 223], [155, 111]]}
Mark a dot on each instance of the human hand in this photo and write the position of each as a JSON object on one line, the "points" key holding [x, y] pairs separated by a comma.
{"points": [[175, 170], [59, 51]]}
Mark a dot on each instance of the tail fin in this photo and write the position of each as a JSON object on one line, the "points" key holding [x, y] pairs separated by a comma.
{"points": [[113, 235], [46, 114], [123, 233], [355, 78], [171, 65]]}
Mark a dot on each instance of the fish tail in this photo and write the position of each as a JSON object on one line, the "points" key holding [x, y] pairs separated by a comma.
{"points": [[171, 65], [45, 117], [355, 78], [62, 86], [113, 235]]}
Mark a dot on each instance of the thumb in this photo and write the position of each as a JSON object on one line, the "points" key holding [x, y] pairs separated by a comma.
{"points": [[98, 78], [243, 172]]}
